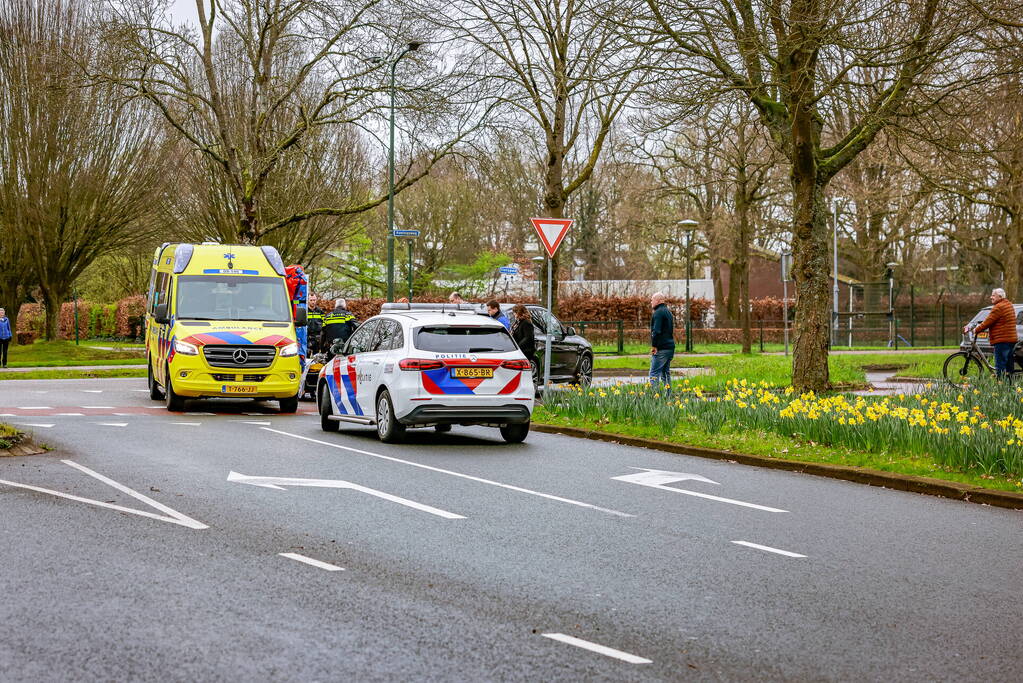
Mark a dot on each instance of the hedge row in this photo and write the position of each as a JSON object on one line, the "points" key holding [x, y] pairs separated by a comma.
{"points": [[120, 319]]}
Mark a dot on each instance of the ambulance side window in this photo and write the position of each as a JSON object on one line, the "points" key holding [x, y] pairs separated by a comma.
{"points": [[159, 292]]}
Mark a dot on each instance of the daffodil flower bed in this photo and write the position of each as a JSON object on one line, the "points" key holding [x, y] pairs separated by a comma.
{"points": [[971, 429]]}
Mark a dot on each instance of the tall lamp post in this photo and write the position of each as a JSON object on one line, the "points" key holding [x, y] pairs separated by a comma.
{"points": [[412, 46], [689, 225]]}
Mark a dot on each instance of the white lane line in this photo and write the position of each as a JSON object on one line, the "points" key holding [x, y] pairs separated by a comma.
{"points": [[600, 649], [34, 424], [200, 413], [548, 496], [172, 516], [767, 548], [97, 407], [253, 422], [71, 414], [8, 415], [112, 424], [34, 408], [145, 390], [91, 391], [310, 561], [187, 424], [280, 482], [124, 414]]}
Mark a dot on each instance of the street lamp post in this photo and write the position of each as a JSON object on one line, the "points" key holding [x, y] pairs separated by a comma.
{"points": [[411, 47], [689, 224]]}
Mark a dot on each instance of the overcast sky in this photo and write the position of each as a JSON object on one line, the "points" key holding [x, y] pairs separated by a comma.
{"points": [[183, 10]]}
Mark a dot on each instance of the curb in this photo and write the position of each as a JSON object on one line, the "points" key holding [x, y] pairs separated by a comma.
{"points": [[23, 448], [899, 482]]}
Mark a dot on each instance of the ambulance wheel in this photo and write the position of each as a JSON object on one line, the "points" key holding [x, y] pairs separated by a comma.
{"points": [[388, 428], [172, 400], [288, 405], [154, 387], [326, 424], [515, 433]]}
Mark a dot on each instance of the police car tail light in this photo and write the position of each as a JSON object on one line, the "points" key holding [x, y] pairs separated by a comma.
{"points": [[520, 364], [418, 364], [289, 350], [186, 349]]}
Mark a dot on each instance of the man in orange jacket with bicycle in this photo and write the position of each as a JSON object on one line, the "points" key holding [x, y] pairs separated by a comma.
{"points": [[1001, 323]]}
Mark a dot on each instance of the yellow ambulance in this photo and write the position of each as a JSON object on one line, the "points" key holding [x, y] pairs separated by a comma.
{"points": [[219, 324]]}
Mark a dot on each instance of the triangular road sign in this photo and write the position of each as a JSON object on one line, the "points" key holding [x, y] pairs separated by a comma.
{"points": [[552, 231]]}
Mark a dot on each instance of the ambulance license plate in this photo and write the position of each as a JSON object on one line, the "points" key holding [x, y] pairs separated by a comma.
{"points": [[472, 373], [230, 389]]}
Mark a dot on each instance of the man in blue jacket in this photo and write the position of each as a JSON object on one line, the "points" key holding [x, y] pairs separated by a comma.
{"points": [[5, 336], [662, 340]]}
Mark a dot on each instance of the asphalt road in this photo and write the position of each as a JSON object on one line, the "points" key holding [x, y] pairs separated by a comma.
{"points": [[467, 559]]}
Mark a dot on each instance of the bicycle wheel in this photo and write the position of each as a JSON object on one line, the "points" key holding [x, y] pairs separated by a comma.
{"points": [[962, 368]]}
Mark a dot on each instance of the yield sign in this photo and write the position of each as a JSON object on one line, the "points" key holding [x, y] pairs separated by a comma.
{"points": [[552, 231]]}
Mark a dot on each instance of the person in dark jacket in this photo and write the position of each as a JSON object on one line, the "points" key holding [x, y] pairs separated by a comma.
{"points": [[524, 335], [339, 324], [1001, 323], [662, 340], [5, 336], [314, 326]]}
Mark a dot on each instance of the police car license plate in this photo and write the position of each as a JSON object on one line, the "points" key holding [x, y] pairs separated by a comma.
{"points": [[230, 389], [472, 373]]}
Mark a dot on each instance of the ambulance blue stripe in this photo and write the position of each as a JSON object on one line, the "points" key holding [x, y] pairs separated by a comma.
{"points": [[215, 271], [229, 337], [351, 394]]}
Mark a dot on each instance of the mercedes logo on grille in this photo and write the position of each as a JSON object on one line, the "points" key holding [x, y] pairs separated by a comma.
{"points": [[240, 356]]}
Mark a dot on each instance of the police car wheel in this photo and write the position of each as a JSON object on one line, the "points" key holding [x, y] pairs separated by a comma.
{"points": [[515, 433], [389, 429], [326, 424]]}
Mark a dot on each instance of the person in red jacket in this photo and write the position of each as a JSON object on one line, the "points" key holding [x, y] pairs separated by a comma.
{"points": [[1001, 324]]}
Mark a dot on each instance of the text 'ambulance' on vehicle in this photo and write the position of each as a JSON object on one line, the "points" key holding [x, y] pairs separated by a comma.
{"points": [[421, 368], [219, 324]]}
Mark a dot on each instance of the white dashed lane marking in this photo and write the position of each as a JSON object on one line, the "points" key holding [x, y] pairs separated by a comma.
{"points": [[92, 391], [314, 563], [187, 424], [34, 408], [768, 549], [600, 649], [35, 424], [112, 424]]}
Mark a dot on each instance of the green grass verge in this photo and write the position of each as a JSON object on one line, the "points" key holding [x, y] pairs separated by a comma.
{"points": [[58, 353], [777, 370], [73, 374], [769, 444], [9, 436]]}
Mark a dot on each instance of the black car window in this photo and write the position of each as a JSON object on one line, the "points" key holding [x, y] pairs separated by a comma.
{"points": [[361, 341], [463, 339], [1019, 317], [539, 316]]}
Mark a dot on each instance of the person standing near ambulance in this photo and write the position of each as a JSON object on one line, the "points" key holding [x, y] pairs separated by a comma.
{"points": [[339, 324]]}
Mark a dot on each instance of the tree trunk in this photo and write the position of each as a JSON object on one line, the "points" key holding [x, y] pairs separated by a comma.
{"points": [[733, 291], [51, 301], [740, 265], [811, 260], [1013, 262], [10, 300], [554, 203]]}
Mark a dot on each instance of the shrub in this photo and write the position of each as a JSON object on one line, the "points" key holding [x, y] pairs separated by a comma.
{"points": [[26, 338]]}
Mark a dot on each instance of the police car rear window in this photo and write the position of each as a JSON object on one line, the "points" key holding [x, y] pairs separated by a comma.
{"points": [[463, 339]]}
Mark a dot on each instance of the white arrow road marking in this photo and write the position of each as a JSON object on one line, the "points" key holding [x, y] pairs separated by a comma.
{"points": [[172, 516], [656, 479], [280, 482], [310, 561], [34, 424], [548, 496], [594, 647], [768, 548], [112, 424]]}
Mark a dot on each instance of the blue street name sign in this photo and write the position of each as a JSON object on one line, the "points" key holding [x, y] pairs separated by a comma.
{"points": [[406, 233], [508, 270]]}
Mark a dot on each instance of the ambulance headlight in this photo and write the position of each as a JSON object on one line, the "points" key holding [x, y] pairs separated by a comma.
{"points": [[185, 349], [289, 350]]}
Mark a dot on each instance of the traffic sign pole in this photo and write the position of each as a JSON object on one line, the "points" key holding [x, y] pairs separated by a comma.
{"points": [[551, 232], [547, 340]]}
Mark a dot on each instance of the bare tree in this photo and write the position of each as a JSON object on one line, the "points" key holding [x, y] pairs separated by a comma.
{"points": [[562, 68], [81, 171], [886, 59], [262, 78]]}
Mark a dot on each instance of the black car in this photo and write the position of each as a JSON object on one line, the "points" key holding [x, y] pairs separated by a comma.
{"points": [[571, 354]]}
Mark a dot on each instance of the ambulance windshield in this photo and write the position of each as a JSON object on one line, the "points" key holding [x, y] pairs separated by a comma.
{"points": [[229, 297]]}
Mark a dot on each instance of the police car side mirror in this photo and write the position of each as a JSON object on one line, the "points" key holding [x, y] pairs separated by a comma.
{"points": [[301, 317], [160, 314]]}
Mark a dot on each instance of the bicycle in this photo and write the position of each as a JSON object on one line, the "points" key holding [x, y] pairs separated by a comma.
{"points": [[969, 366]]}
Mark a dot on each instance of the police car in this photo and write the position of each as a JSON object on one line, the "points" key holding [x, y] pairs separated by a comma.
{"points": [[425, 365]]}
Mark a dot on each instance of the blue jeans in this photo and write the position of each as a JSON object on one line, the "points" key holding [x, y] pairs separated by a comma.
{"points": [[1003, 358], [660, 370]]}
